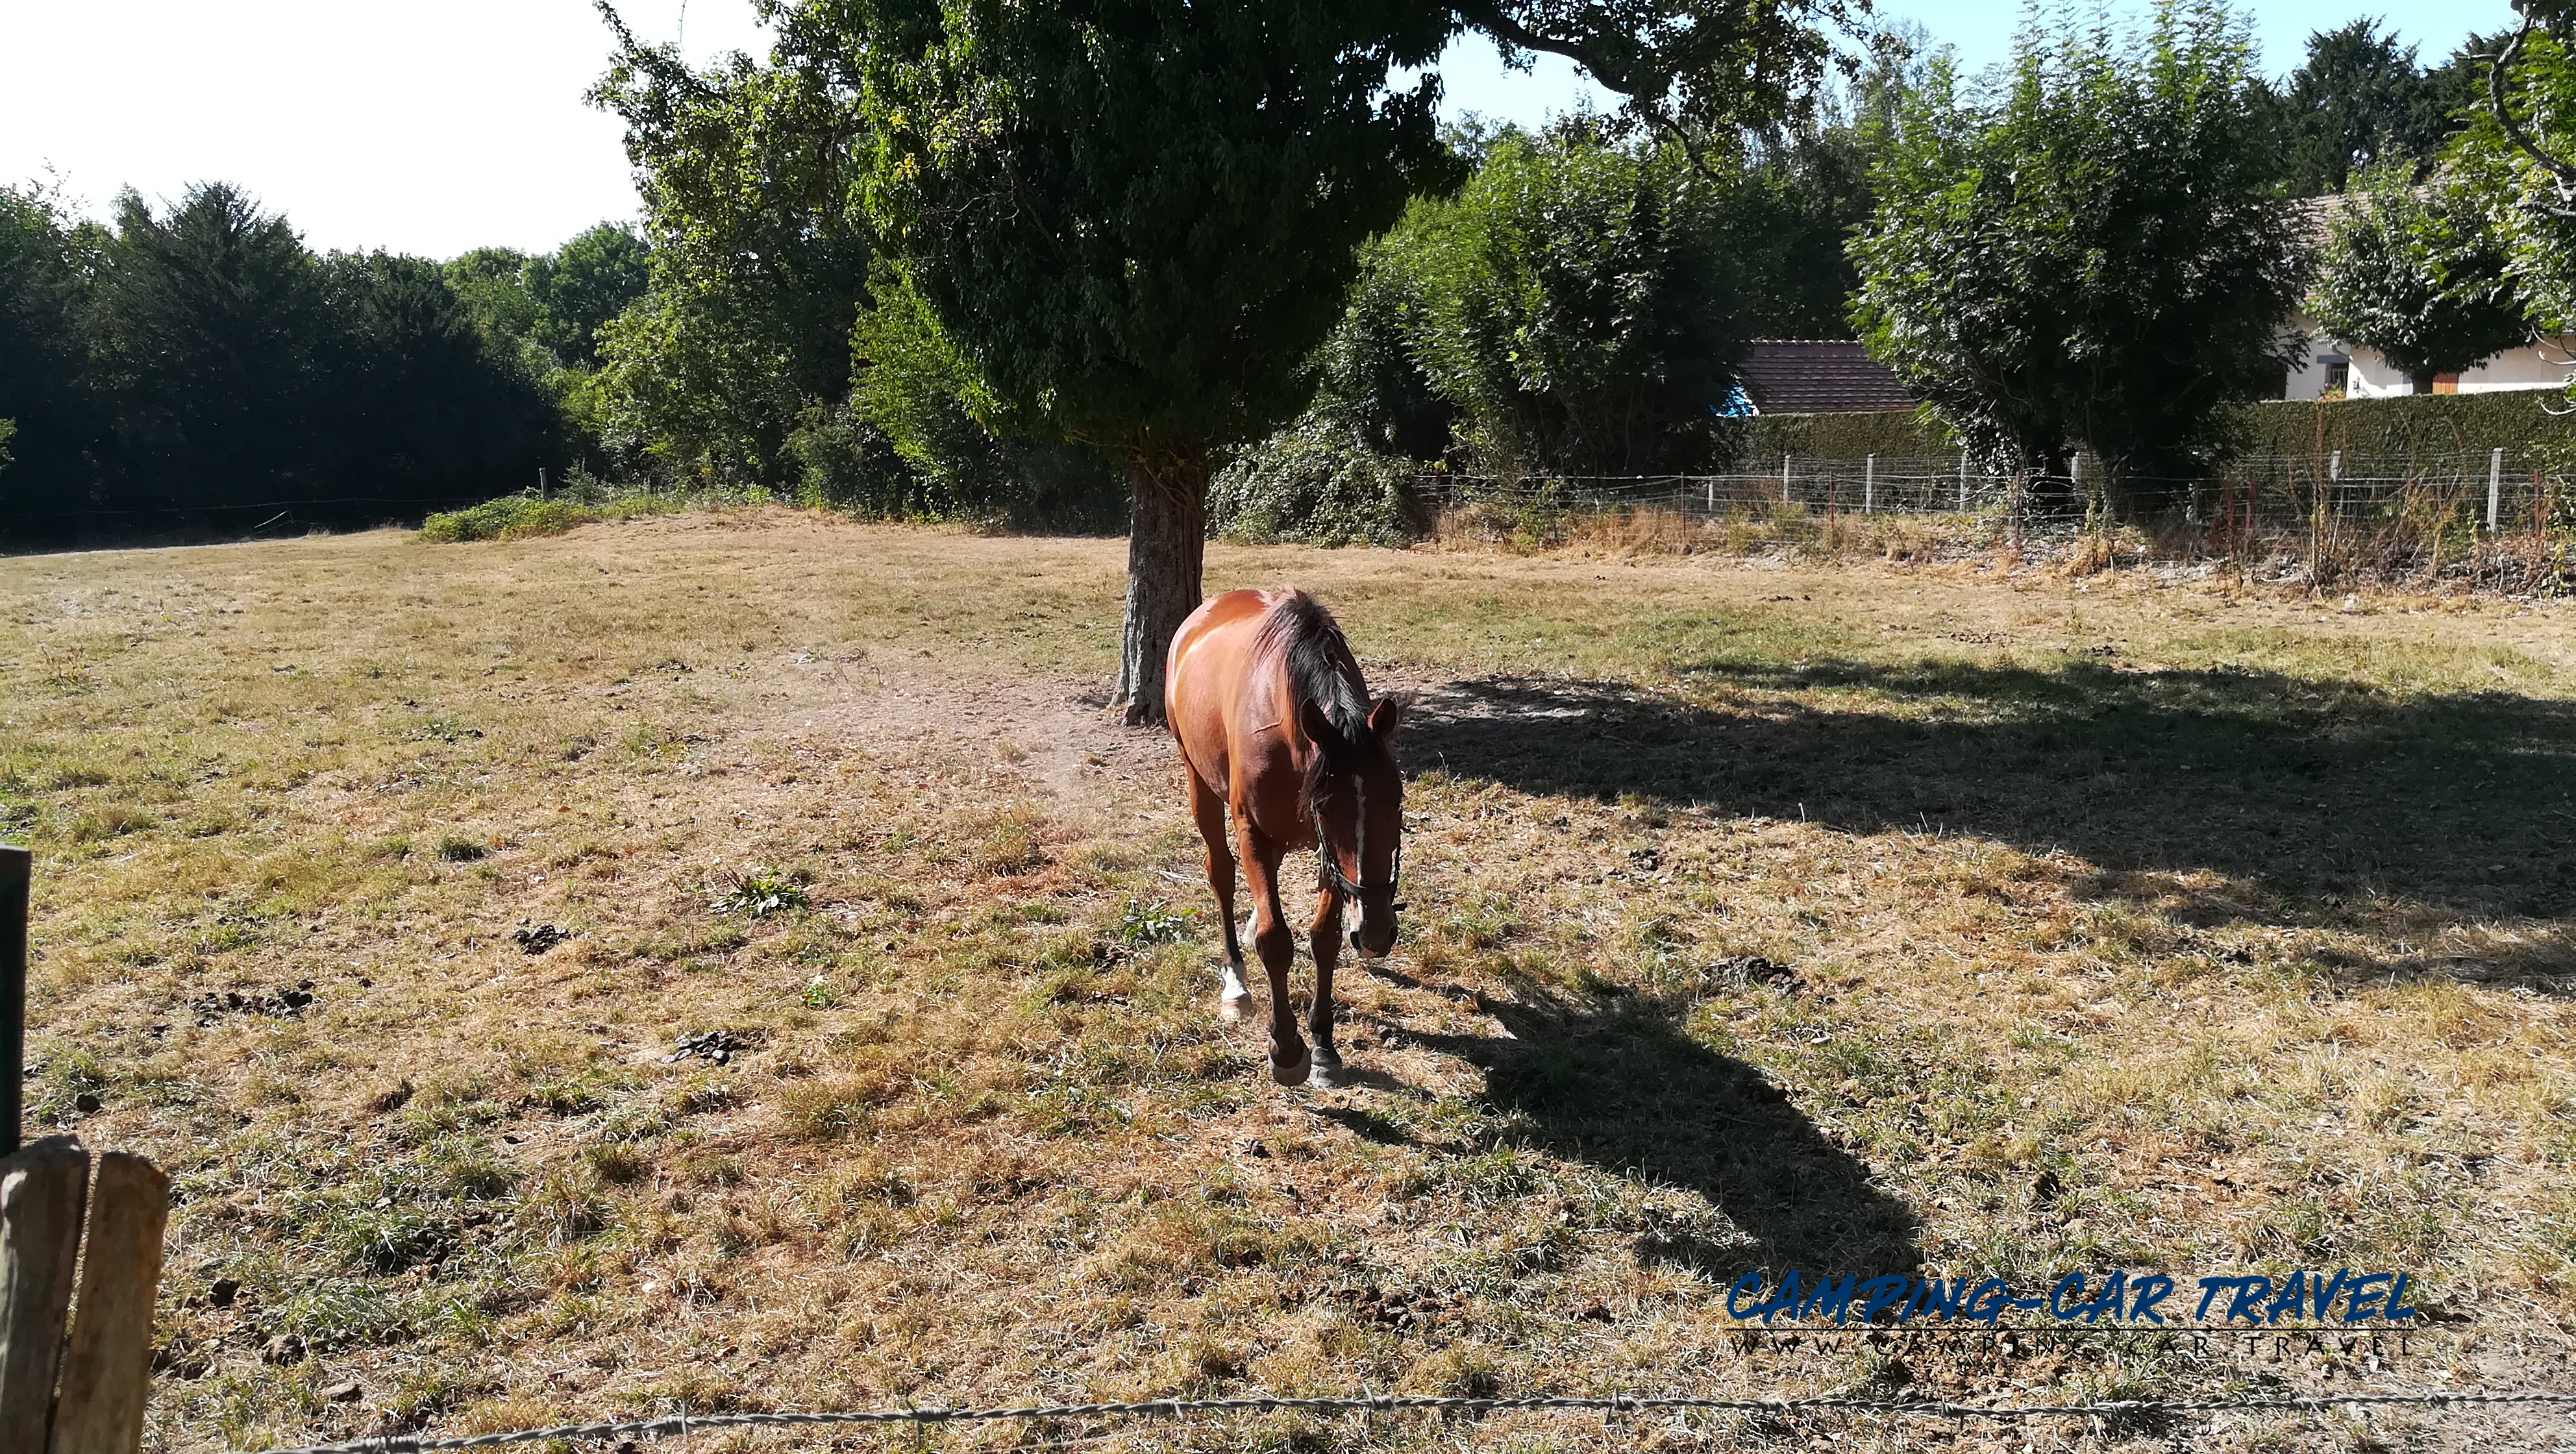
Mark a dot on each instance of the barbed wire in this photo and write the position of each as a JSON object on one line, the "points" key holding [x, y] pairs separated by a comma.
{"points": [[669, 1425]]}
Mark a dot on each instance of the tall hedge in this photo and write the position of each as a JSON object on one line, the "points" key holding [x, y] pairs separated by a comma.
{"points": [[2413, 425]]}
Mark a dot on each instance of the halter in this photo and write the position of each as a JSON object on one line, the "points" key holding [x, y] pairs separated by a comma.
{"points": [[1332, 876]]}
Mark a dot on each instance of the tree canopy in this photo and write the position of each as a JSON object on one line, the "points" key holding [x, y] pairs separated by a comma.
{"points": [[196, 369], [2360, 101], [2416, 274], [2093, 255]]}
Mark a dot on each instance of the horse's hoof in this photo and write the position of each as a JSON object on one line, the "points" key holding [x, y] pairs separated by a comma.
{"points": [[1327, 1074], [1229, 1008], [1292, 1073]]}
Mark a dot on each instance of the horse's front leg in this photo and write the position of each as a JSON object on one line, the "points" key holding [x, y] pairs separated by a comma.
{"points": [[1277, 946], [1208, 807], [1324, 941]]}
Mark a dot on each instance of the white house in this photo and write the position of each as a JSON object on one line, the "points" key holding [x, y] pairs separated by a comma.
{"points": [[2336, 369], [2339, 369]]}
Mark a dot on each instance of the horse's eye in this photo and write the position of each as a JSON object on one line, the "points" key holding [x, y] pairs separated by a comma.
{"points": [[1397, 907]]}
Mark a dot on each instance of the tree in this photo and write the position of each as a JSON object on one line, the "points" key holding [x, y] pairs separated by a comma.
{"points": [[1787, 211], [2515, 157], [206, 321], [2093, 255], [758, 265], [44, 365], [2417, 275], [492, 282], [1137, 217], [580, 286], [413, 401], [1578, 307], [2358, 102]]}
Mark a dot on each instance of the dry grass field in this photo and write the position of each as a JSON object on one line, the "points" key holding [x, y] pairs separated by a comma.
{"points": [[1854, 917]]}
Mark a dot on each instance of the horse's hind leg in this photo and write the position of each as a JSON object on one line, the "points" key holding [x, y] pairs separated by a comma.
{"points": [[1324, 940], [1208, 808]]}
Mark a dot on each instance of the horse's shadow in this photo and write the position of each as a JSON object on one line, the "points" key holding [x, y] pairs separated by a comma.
{"points": [[1611, 1081]]}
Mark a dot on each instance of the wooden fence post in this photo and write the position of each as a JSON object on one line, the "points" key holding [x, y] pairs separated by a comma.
{"points": [[41, 1192], [107, 1369], [17, 869]]}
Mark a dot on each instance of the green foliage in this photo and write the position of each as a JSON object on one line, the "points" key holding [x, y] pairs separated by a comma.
{"points": [[2091, 255], [2358, 103], [2527, 197], [1138, 218], [492, 284], [1143, 924], [582, 285], [1316, 482], [196, 369], [1858, 434], [1369, 373], [1577, 308], [757, 894], [2420, 426], [757, 268], [1800, 193], [45, 383], [917, 394], [2417, 275]]}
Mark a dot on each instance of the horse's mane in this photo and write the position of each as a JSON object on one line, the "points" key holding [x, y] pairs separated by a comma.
{"points": [[1321, 668]]}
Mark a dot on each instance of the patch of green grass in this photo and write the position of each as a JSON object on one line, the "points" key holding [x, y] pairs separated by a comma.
{"points": [[759, 893]]}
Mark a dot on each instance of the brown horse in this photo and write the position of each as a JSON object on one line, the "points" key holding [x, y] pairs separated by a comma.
{"points": [[1275, 723]]}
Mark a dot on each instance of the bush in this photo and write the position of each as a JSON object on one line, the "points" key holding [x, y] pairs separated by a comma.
{"points": [[511, 517], [583, 500], [1316, 483]]}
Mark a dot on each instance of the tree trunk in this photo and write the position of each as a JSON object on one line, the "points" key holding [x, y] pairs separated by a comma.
{"points": [[1166, 554]]}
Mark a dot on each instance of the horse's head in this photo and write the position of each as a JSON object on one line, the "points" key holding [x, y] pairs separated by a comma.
{"points": [[1357, 795]]}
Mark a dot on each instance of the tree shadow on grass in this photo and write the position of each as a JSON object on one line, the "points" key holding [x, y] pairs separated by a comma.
{"points": [[2309, 797], [1610, 1080]]}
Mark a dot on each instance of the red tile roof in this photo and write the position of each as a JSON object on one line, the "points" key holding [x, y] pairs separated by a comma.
{"points": [[1817, 376]]}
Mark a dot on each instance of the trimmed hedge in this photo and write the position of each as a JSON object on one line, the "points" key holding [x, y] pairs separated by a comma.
{"points": [[2411, 426], [1855, 434], [2414, 425]]}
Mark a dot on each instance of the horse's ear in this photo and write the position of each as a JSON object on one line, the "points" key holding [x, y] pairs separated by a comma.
{"points": [[1320, 730], [1388, 714]]}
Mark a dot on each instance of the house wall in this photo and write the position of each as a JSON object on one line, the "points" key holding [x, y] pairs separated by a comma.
{"points": [[2545, 365]]}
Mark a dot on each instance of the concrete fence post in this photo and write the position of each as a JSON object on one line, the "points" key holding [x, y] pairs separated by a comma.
{"points": [[1869, 484], [2495, 486], [1963, 482]]}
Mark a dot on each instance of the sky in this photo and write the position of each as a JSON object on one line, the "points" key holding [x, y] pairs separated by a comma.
{"points": [[432, 129]]}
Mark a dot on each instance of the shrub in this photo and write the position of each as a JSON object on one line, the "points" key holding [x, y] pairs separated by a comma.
{"points": [[512, 517], [1316, 483]]}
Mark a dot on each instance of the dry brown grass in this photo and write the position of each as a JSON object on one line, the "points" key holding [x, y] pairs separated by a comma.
{"points": [[2121, 925]]}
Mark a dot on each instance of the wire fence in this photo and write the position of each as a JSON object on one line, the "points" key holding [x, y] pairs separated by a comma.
{"points": [[2494, 489], [680, 1425]]}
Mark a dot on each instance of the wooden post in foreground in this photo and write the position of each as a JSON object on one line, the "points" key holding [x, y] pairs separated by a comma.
{"points": [[16, 869], [42, 1189], [107, 1369]]}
